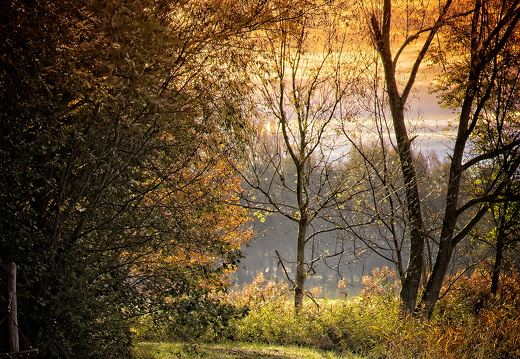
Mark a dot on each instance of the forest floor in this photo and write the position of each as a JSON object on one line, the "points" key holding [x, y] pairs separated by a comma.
{"points": [[233, 351]]}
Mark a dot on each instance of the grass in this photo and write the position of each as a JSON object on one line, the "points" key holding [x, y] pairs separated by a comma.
{"points": [[370, 326], [232, 351]]}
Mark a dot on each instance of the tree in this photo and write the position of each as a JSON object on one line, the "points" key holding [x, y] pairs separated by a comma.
{"points": [[493, 26], [490, 27], [498, 126], [305, 82], [502, 238], [113, 120], [380, 29]]}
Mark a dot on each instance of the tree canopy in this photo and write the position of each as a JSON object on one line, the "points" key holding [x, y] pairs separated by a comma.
{"points": [[115, 195]]}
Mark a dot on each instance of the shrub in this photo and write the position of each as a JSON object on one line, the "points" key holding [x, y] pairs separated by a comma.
{"points": [[194, 318], [468, 323]]}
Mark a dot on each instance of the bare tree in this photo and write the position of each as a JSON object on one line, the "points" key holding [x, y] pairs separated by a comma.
{"points": [[305, 82]]}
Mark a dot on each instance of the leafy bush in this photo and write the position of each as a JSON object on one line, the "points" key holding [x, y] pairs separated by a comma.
{"points": [[468, 323], [204, 318]]}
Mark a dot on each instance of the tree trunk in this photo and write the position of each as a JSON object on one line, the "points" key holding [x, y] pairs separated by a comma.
{"points": [[446, 246], [412, 279], [12, 308], [299, 289], [499, 254], [434, 284], [303, 223]]}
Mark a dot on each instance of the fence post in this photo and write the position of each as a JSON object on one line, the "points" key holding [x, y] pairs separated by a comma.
{"points": [[14, 344]]}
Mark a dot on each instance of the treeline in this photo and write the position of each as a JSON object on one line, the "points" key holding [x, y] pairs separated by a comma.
{"points": [[134, 149]]}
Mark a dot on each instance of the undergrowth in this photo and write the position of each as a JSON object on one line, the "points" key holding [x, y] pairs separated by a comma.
{"points": [[469, 322], [357, 325]]}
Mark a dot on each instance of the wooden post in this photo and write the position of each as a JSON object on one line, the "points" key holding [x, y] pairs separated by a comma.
{"points": [[14, 344]]}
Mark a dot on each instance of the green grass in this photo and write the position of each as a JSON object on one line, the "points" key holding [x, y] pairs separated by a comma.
{"points": [[232, 351]]}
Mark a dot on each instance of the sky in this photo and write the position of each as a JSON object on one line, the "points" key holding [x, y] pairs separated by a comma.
{"points": [[433, 122]]}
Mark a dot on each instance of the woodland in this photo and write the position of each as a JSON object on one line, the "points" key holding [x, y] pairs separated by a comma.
{"points": [[145, 145]]}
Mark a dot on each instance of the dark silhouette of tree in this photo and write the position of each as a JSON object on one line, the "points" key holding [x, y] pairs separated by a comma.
{"points": [[113, 117], [484, 31]]}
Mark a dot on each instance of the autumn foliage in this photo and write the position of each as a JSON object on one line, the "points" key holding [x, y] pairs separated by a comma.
{"points": [[116, 198], [123, 124]]}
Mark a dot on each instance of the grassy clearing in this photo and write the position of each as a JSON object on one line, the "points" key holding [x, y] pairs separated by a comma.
{"points": [[232, 351]]}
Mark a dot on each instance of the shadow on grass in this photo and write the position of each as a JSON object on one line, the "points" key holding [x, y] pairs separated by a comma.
{"points": [[229, 351], [239, 353]]}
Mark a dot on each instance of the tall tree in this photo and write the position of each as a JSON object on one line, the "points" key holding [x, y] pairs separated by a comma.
{"points": [[493, 133], [305, 82], [381, 30], [113, 120], [491, 37], [490, 28]]}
